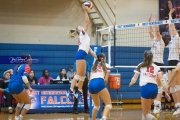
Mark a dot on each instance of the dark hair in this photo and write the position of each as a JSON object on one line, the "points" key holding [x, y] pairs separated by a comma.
{"points": [[24, 56], [165, 40], [33, 71], [167, 4], [44, 73], [61, 75], [148, 59], [100, 61]]}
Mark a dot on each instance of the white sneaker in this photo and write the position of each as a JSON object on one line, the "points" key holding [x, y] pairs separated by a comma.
{"points": [[177, 111], [157, 109], [10, 110]]}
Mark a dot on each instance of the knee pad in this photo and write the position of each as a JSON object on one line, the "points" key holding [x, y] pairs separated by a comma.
{"points": [[27, 106], [109, 106], [149, 116], [177, 88], [97, 107], [20, 105], [160, 89], [78, 77], [172, 90]]}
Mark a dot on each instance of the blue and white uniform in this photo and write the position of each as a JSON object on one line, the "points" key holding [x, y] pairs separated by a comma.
{"points": [[84, 45], [149, 88], [96, 83], [16, 83]]}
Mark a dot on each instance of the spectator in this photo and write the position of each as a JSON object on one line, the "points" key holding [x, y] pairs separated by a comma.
{"points": [[3, 88], [62, 74], [70, 73], [31, 78], [85, 90], [169, 6], [45, 79]]}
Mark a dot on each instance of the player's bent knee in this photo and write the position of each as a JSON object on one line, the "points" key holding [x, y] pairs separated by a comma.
{"points": [[160, 89], [177, 88], [20, 105], [77, 77], [27, 106], [149, 116], [109, 106], [80, 78], [97, 107], [172, 90]]}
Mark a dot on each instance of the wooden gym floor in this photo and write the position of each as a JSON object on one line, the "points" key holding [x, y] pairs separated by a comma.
{"points": [[129, 112]]}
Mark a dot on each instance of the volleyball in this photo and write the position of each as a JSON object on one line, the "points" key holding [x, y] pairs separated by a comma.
{"points": [[88, 5]]}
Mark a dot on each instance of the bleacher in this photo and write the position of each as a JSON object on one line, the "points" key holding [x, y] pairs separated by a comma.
{"points": [[56, 57]]}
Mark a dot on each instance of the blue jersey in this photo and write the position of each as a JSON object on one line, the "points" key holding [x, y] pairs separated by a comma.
{"points": [[23, 70]]}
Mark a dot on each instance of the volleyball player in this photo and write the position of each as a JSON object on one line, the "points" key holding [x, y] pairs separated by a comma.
{"points": [[175, 78], [157, 49], [99, 75], [148, 72], [173, 60], [16, 88], [84, 48]]}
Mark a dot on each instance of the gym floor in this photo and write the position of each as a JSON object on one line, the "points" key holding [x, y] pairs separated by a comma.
{"points": [[129, 112]]}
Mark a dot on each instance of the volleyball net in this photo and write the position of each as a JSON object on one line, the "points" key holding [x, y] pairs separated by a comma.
{"points": [[126, 43]]}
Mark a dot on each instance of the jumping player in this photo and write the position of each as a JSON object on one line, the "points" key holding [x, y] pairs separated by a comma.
{"points": [[157, 49], [173, 60], [174, 78], [84, 48], [148, 72], [99, 75], [16, 88]]}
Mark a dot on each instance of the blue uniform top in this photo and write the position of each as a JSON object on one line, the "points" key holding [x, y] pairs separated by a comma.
{"points": [[23, 70]]}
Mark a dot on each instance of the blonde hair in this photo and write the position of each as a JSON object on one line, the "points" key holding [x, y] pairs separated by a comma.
{"points": [[72, 33]]}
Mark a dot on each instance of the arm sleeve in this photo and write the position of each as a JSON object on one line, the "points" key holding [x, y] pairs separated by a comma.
{"points": [[27, 69]]}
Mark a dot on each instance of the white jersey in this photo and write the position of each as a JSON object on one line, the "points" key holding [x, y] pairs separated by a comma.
{"points": [[174, 48], [99, 72], [84, 41], [148, 75], [157, 49]]}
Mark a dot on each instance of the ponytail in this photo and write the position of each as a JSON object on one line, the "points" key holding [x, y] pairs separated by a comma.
{"points": [[100, 61], [148, 59]]}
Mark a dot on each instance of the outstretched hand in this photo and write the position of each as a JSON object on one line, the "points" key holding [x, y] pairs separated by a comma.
{"points": [[84, 8], [130, 84], [150, 18]]}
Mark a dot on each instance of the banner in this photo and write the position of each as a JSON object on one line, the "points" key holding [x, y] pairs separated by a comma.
{"points": [[164, 8], [46, 99]]}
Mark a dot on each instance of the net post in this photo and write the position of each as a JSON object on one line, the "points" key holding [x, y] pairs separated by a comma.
{"points": [[114, 45], [109, 46]]}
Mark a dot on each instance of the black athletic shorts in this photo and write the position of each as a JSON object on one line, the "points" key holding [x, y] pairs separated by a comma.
{"points": [[160, 64], [172, 63]]}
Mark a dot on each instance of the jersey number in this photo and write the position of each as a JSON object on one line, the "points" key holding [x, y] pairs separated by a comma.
{"points": [[150, 69]]}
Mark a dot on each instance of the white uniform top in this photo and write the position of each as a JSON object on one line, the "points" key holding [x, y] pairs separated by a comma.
{"points": [[174, 48], [148, 75], [157, 49], [84, 41], [99, 72]]}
